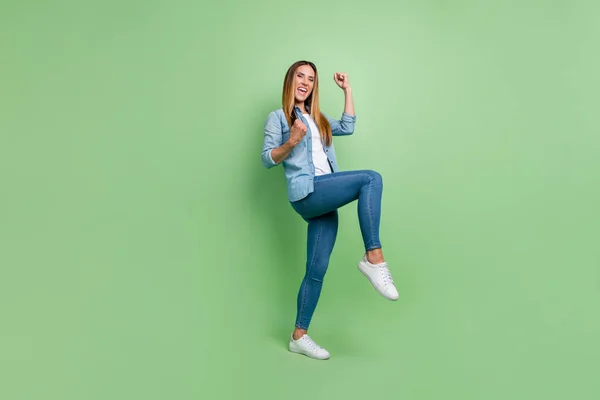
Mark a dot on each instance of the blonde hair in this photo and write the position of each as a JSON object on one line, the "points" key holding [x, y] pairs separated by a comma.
{"points": [[288, 101]]}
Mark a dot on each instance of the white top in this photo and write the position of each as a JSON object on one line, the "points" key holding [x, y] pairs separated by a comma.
{"points": [[319, 157]]}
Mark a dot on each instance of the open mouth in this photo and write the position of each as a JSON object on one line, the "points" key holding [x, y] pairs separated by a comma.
{"points": [[302, 91]]}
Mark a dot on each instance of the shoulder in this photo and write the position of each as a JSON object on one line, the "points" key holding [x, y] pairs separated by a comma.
{"points": [[275, 119], [277, 113]]}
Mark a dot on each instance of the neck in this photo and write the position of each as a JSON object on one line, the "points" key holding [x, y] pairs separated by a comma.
{"points": [[301, 106]]}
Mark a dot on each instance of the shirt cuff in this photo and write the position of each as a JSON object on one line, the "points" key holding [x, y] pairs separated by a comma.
{"points": [[348, 117]]}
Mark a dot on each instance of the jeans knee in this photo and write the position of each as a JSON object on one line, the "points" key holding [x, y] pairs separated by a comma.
{"points": [[376, 178], [317, 274]]}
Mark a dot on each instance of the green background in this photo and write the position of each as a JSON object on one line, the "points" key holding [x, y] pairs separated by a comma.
{"points": [[147, 254]]}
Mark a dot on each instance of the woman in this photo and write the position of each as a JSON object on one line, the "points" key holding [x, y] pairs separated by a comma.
{"points": [[316, 189]]}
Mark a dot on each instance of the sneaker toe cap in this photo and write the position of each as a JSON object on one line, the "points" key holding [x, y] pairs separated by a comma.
{"points": [[322, 354], [391, 292]]}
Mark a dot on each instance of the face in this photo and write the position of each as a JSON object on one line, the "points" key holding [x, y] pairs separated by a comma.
{"points": [[304, 81]]}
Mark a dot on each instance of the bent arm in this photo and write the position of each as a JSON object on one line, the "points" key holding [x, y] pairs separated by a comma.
{"points": [[274, 151], [348, 102], [345, 125]]}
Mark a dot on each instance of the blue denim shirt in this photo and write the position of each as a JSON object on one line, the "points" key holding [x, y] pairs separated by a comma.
{"points": [[298, 166]]}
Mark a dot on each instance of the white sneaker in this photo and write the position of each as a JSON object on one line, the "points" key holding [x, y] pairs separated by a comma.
{"points": [[305, 345], [380, 277]]}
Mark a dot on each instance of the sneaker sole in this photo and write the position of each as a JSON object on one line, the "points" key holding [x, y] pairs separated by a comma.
{"points": [[306, 355], [360, 268]]}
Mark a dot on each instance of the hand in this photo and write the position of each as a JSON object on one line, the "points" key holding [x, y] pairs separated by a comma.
{"points": [[342, 80], [297, 133]]}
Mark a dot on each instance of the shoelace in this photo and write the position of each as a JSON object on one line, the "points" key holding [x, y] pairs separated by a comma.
{"points": [[311, 342], [387, 275]]}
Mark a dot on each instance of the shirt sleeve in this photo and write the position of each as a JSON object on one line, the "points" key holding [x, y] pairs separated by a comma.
{"points": [[343, 126], [271, 140]]}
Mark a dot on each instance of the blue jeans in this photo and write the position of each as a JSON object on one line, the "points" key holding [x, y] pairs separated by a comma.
{"points": [[319, 209]]}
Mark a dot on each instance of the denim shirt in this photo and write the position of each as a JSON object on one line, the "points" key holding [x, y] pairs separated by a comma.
{"points": [[298, 166]]}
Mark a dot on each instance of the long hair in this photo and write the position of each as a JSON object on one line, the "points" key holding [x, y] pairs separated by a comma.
{"points": [[288, 101]]}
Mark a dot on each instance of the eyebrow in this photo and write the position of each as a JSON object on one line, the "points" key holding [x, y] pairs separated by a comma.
{"points": [[309, 77]]}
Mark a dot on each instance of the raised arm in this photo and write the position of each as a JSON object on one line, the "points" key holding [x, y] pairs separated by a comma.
{"points": [[341, 79], [345, 125]]}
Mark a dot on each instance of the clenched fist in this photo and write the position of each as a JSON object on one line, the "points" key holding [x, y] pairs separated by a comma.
{"points": [[341, 79], [297, 132]]}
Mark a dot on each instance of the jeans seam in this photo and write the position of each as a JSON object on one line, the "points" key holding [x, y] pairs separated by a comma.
{"points": [[370, 209]]}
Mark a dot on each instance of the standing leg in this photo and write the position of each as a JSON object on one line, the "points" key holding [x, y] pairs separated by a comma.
{"points": [[322, 233]]}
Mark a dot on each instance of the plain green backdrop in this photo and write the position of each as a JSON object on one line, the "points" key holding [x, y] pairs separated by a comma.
{"points": [[145, 253]]}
